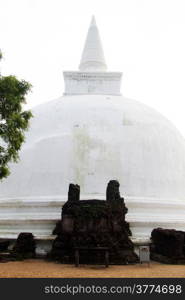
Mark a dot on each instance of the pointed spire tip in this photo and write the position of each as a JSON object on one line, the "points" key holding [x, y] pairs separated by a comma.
{"points": [[93, 57], [93, 21]]}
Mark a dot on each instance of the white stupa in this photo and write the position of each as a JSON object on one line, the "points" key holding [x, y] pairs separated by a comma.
{"points": [[89, 136]]}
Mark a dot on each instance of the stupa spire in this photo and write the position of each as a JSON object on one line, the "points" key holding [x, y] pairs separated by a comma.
{"points": [[92, 78], [93, 57]]}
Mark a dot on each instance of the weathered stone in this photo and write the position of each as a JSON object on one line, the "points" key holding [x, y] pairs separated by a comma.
{"points": [[168, 246], [25, 246], [74, 192], [112, 192], [4, 245], [94, 223]]}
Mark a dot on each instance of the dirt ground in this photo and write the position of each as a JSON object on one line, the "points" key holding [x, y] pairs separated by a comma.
{"points": [[40, 268]]}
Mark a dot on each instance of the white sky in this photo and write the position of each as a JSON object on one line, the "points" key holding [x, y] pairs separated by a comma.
{"points": [[145, 39]]}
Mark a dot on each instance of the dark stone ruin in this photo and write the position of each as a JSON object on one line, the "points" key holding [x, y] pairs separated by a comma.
{"points": [[24, 247], [93, 223], [168, 246], [4, 244]]}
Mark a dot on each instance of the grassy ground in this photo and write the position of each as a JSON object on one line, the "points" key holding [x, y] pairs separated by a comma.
{"points": [[40, 268]]}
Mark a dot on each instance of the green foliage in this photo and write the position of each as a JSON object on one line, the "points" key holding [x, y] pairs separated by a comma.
{"points": [[13, 121]]}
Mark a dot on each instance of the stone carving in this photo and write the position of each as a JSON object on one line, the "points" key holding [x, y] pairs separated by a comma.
{"points": [[112, 192], [94, 223], [74, 192], [168, 246]]}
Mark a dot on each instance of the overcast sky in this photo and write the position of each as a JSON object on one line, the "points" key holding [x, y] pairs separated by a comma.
{"points": [[145, 39]]}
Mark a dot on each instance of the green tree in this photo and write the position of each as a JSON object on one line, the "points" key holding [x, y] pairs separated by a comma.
{"points": [[13, 120]]}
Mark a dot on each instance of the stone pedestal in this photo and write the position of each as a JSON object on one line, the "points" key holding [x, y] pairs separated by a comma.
{"points": [[94, 223]]}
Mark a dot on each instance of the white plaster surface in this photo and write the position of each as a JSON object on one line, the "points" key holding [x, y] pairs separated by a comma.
{"points": [[93, 56], [89, 140], [92, 83]]}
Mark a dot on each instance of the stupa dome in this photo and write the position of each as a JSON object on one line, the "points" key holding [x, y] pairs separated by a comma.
{"points": [[92, 135], [90, 139]]}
